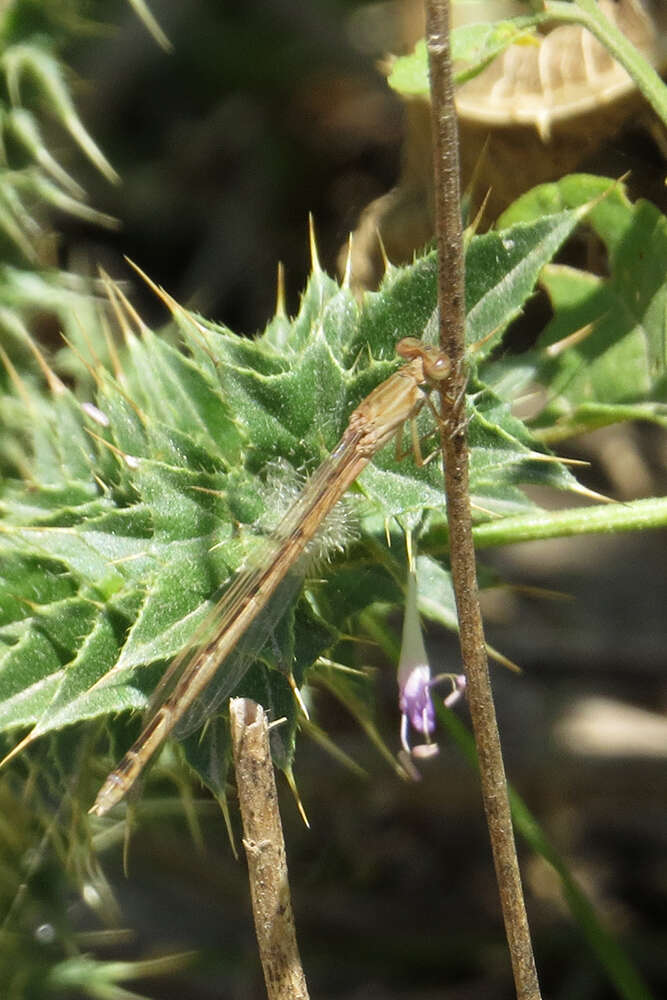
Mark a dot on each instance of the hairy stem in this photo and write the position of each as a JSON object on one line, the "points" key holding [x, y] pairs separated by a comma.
{"points": [[607, 519], [265, 850], [451, 300]]}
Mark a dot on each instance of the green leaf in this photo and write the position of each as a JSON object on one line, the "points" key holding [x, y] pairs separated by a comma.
{"points": [[501, 271], [603, 356], [473, 44]]}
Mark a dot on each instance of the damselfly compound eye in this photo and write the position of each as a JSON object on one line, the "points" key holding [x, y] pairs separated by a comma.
{"points": [[436, 366]]}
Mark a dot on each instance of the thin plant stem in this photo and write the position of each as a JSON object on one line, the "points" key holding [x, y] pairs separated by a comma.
{"points": [[265, 850], [604, 519], [451, 300]]}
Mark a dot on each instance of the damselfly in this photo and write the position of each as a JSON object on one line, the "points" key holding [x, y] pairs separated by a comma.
{"points": [[372, 425]]}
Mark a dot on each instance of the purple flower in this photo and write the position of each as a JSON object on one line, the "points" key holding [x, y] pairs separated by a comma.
{"points": [[415, 702], [415, 681]]}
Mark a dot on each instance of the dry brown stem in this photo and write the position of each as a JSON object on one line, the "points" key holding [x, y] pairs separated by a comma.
{"points": [[451, 299], [265, 850]]}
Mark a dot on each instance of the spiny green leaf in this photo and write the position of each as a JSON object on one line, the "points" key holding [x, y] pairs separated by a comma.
{"points": [[501, 270], [30, 61], [30, 672], [76, 696]]}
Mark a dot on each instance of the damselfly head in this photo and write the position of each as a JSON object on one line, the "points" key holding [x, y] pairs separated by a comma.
{"points": [[436, 364]]}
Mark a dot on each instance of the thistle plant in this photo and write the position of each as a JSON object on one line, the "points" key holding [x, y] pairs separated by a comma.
{"points": [[146, 493]]}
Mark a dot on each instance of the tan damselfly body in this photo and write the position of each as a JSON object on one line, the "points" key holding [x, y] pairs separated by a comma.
{"points": [[372, 425]]}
